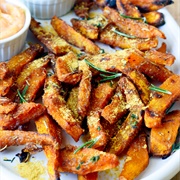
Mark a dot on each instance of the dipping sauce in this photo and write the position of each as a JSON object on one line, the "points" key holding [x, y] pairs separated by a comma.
{"points": [[12, 19]]}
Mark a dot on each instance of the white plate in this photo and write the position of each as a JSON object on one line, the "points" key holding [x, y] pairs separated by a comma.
{"points": [[158, 169]]}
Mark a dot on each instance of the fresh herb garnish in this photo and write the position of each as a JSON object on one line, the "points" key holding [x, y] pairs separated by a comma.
{"points": [[98, 128], [10, 160], [79, 165], [22, 94], [102, 51], [88, 144], [105, 76], [175, 147], [95, 158], [155, 88], [135, 18], [123, 34]]}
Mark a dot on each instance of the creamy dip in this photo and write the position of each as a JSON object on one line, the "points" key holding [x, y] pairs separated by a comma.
{"points": [[12, 19]]}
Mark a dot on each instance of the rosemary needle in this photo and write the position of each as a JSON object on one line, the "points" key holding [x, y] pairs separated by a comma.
{"points": [[135, 18], [88, 144], [123, 34], [155, 88]]}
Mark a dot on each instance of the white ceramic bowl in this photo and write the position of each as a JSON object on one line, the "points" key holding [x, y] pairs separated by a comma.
{"points": [[14, 44], [46, 9]]}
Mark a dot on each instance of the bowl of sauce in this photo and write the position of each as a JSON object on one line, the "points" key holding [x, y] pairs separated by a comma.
{"points": [[46, 9], [15, 19]]}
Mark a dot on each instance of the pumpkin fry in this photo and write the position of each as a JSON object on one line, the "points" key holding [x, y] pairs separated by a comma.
{"points": [[161, 102], [162, 138]]}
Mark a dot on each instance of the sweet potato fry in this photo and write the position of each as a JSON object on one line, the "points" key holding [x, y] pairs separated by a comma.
{"points": [[32, 66], [99, 99], [72, 101], [162, 138], [73, 37], [51, 40], [133, 123], [157, 57], [6, 105], [126, 8], [154, 18], [82, 8], [141, 84], [162, 48], [22, 114], [16, 63], [84, 89], [116, 109], [17, 138], [107, 36], [162, 101], [86, 29], [35, 82], [3, 70], [66, 68], [137, 159], [86, 161], [46, 125], [57, 108], [151, 5], [132, 27], [5, 85], [156, 72]]}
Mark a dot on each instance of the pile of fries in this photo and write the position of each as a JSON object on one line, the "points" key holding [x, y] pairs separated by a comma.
{"points": [[78, 87]]}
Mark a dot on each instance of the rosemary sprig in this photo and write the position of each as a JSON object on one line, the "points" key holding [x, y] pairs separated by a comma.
{"points": [[22, 94], [98, 69], [155, 88], [105, 76], [135, 18], [123, 34], [88, 144]]}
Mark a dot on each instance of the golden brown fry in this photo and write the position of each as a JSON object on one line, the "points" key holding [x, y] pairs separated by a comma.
{"points": [[57, 108], [16, 63], [53, 42], [66, 68], [161, 102], [137, 159], [154, 18], [22, 114], [99, 99], [107, 36], [141, 84], [156, 72], [6, 105], [126, 8], [5, 85], [70, 35], [3, 70], [116, 109], [45, 125], [162, 138], [82, 8], [150, 5], [88, 30], [72, 101], [84, 89], [17, 138], [35, 82], [32, 66], [157, 57], [133, 123], [162, 48], [132, 27], [86, 161]]}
